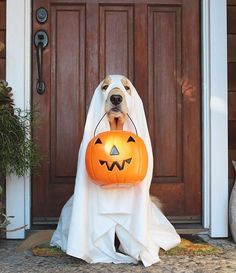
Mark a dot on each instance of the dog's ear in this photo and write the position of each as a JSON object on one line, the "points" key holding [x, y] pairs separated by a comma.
{"points": [[106, 82], [125, 82]]}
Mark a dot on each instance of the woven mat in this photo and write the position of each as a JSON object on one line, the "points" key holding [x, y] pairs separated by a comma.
{"points": [[190, 245]]}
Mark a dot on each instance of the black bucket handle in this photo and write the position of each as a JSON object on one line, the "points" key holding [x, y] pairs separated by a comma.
{"points": [[136, 131]]}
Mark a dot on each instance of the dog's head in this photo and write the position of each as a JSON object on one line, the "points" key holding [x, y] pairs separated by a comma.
{"points": [[117, 91]]}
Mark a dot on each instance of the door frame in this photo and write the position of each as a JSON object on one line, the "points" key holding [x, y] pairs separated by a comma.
{"points": [[214, 107]]}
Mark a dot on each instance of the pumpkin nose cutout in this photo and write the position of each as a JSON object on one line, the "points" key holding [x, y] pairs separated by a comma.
{"points": [[114, 150], [116, 99]]}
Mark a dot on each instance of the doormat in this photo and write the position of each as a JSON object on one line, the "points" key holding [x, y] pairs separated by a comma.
{"points": [[193, 245], [190, 245]]}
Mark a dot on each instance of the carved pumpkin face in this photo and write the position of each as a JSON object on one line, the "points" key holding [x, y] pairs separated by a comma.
{"points": [[116, 158]]}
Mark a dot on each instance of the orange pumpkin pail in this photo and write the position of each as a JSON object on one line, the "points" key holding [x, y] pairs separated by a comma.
{"points": [[116, 159]]}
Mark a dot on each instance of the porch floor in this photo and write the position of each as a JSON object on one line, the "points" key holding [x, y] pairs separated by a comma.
{"points": [[11, 262]]}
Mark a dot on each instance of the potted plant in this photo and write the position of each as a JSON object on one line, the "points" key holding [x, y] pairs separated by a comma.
{"points": [[18, 151]]}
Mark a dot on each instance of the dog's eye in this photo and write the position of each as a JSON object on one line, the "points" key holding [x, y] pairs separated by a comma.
{"points": [[130, 139], [98, 141], [127, 88], [105, 87]]}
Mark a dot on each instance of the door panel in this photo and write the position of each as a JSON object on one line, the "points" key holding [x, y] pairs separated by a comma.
{"points": [[157, 47], [116, 40], [165, 98], [67, 84]]}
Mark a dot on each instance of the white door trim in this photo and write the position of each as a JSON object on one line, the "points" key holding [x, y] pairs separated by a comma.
{"points": [[215, 117], [214, 90], [18, 74]]}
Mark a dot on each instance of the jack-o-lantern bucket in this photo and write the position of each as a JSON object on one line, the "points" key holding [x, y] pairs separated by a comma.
{"points": [[116, 159]]}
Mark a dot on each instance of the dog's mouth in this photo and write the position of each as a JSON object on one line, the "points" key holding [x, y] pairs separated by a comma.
{"points": [[115, 109], [120, 165]]}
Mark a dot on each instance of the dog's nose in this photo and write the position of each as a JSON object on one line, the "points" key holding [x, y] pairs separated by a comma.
{"points": [[116, 99]]}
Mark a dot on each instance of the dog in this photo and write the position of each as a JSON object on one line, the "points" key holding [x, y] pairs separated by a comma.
{"points": [[115, 104], [117, 110]]}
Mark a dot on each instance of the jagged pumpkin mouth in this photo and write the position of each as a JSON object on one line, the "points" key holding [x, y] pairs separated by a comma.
{"points": [[120, 165]]}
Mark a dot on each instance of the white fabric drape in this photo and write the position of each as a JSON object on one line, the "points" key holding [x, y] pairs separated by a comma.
{"points": [[92, 216]]}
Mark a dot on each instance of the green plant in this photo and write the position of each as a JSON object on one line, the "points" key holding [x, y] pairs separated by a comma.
{"points": [[18, 151], [3, 218]]}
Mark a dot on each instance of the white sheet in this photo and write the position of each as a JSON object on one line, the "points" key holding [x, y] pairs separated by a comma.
{"points": [[92, 216]]}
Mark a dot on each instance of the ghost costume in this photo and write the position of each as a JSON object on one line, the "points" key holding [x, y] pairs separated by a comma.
{"points": [[93, 215]]}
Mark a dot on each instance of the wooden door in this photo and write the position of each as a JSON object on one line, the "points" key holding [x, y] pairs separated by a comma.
{"points": [[156, 45]]}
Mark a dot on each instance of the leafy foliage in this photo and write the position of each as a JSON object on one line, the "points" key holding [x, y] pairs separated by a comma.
{"points": [[2, 46], [3, 221], [18, 152], [3, 218], [6, 101]]}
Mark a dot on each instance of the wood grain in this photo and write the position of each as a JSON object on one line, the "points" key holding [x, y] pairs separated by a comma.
{"points": [[231, 19], [2, 15], [116, 40], [164, 91], [3, 39], [231, 47], [149, 42], [231, 29]]}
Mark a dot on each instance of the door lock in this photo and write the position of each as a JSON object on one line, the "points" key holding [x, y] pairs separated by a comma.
{"points": [[41, 15]]}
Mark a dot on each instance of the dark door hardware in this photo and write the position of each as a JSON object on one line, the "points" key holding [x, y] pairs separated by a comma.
{"points": [[41, 15], [40, 41]]}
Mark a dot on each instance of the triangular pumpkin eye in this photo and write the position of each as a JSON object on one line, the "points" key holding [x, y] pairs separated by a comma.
{"points": [[130, 139], [98, 141]]}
